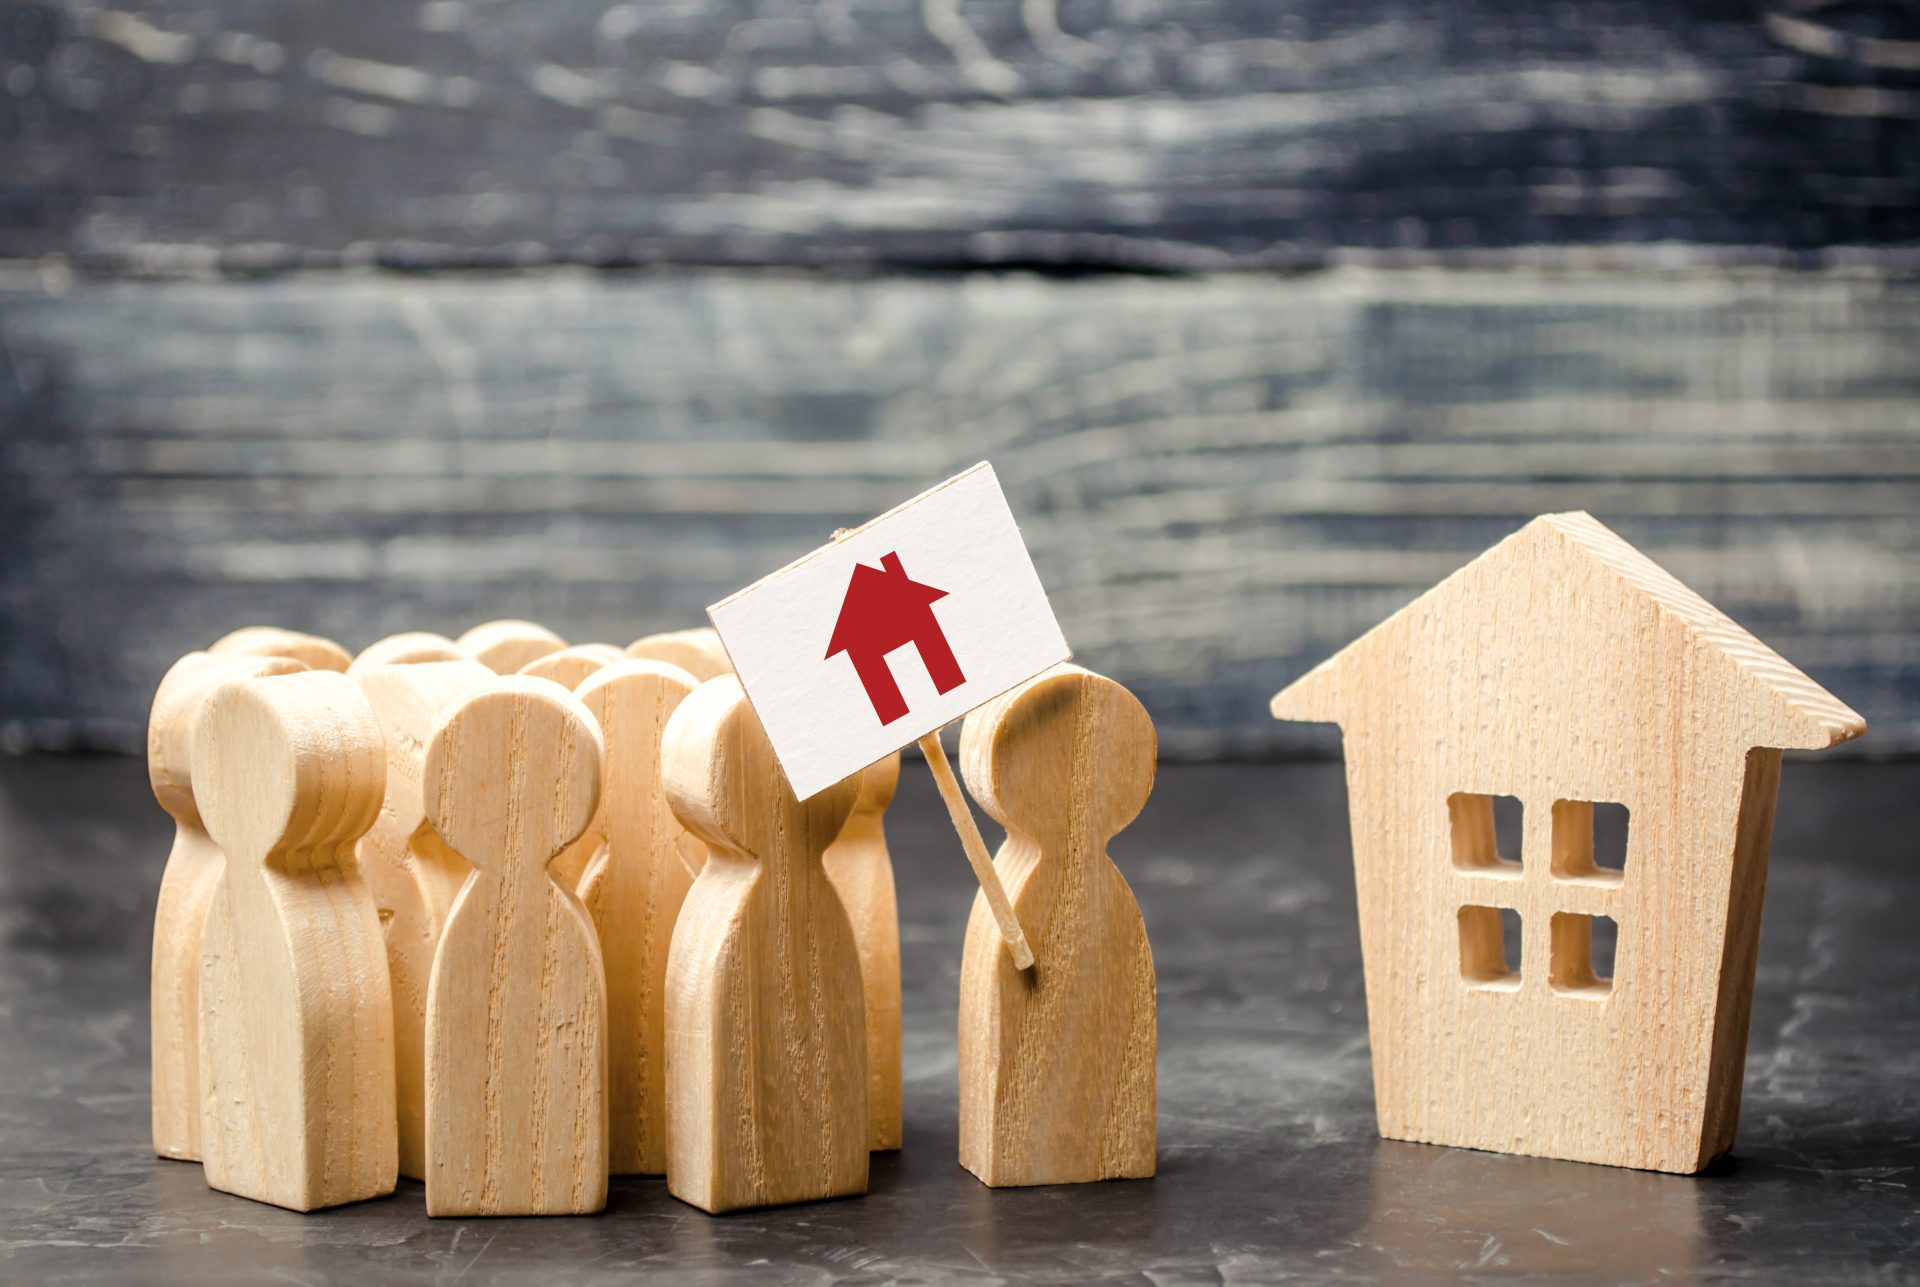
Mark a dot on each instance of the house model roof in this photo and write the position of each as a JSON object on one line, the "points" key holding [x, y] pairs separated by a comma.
{"points": [[1804, 714]]}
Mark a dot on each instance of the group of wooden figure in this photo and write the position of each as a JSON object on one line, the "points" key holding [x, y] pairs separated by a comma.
{"points": [[508, 917]]}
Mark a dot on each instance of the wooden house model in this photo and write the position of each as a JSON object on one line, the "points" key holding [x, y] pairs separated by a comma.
{"points": [[1564, 669]]}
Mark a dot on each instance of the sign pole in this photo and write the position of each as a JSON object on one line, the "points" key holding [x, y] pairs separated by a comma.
{"points": [[976, 848]]}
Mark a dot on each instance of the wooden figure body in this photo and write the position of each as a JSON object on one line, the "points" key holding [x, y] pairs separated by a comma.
{"points": [[699, 652], [862, 874], [516, 1009], [186, 889], [1057, 1063], [411, 872], [405, 648], [1563, 668], [766, 1034], [272, 641], [505, 646], [296, 1023], [633, 889]]}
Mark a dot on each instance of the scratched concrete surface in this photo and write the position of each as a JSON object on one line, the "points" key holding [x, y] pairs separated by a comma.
{"points": [[1269, 1167]]}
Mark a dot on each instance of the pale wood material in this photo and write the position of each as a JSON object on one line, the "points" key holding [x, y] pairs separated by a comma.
{"points": [[698, 651], [517, 1005], [991, 888], [1563, 667], [506, 645], [186, 889], [296, 1021], [570, 667], [405, 648], [633, 889], [272, 641], [413, 875], [862, 874], [1057, 1063], [766, 1031]]}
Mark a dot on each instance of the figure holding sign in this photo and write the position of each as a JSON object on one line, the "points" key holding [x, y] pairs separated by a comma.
{"points": [[888, 634], [881, 638]]}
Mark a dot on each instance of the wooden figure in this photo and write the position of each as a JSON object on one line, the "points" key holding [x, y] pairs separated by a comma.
{"points": [[569, 668], [699, 652], [505, 646], [414, 877], [633, 889], [766, 1034], [296, 1022], [1563, 668], [517, 1006], [186, 888], [405, 648], [1057, 1063], [862, 874], [272, 641]]}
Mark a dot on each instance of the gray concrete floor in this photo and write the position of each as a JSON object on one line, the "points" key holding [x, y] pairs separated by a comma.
{"points": [[1270, 1169]]}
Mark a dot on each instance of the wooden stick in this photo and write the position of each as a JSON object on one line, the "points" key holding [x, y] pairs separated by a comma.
{"points": [[976, 849]]}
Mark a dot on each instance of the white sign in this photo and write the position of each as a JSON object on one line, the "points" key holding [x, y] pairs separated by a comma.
{"points": [[892, 631]]}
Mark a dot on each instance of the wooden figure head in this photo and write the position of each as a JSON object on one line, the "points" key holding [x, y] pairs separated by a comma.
{"points": [[406, 648], [480, 757], [1068, 751], [728, 789], [505, 646], [290, 764], [699, 652], [631, 702], [571, 667], [272, 641], [408, 700], [176, 709]]}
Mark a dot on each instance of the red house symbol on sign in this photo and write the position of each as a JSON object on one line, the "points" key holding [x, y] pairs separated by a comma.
{"points": [[885, 610]]}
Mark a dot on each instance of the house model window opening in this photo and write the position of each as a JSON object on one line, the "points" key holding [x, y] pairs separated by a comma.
{"points": [[1493, 955]]}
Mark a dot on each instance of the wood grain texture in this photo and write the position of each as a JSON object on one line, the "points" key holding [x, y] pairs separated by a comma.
{"points": [[570, 667], [1058, 1064], [699, 651], [412, 874], [405, 648], [186, 889], [1195, 134], [633, 888], [507, 645], [861, 870], [765, 1015], [1562, 668], [296, 1020], [517, 1005], [272, 641], [1222, 480]]}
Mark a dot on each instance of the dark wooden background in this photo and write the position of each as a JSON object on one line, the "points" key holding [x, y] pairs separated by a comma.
{"points": [[360, 317]]}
